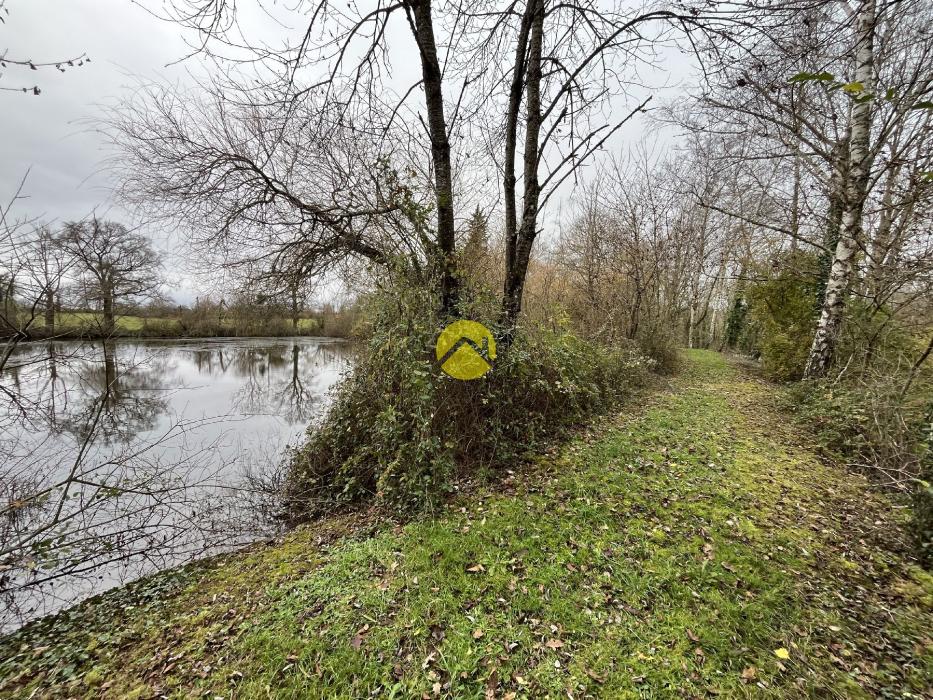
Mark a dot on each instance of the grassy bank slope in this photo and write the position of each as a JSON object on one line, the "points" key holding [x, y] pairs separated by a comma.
{"points": [[694, 548]]}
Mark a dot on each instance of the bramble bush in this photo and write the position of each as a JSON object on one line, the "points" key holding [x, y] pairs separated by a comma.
{"points": [[865, 413], [400, 431]]}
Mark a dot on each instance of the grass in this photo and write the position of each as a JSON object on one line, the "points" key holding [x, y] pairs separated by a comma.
{"points": [[67, 320], [695, 548], [88, 322]]}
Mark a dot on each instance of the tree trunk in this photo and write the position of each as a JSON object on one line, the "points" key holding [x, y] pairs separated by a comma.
{"points": [[294, 310], [9, 303], [826, 336], [517, 265], [837, 188], [511, 141], [795, 201], [109, 324], [916, 368], [50, 312], [881, 243], [423, 29]]}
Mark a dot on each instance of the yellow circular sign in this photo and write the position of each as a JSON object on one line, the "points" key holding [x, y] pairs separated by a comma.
{"points": [[465, 350]]}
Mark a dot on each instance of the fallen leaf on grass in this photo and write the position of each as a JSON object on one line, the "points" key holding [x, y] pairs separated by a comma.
{"points": [[478, 634], [749, 674], [476, 569], [492, 683], [553, 644], [357, 641], [782, 653]]}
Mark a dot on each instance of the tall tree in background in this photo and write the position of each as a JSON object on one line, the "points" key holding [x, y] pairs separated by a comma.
{"points": [[119, 264], [47, 269], [32, 267]]}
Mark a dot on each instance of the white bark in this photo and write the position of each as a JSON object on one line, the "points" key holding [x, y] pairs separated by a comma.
{"points": [[827, 329]]}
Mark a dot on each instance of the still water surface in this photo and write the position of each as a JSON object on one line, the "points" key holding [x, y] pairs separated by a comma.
{"points": [[162, 451]]}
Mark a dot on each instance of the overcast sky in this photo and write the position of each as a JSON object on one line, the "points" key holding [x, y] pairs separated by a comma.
{"points": [[49, 135], [52, 135]]}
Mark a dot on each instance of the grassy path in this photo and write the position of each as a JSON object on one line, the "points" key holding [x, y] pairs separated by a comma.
{"points": [[694, 548]]}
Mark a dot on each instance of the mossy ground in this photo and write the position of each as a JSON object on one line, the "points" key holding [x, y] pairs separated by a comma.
{"points": [[690, 548]]}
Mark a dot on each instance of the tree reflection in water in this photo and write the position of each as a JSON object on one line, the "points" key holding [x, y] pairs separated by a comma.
{"points": [[117, 459], [129, 395]]}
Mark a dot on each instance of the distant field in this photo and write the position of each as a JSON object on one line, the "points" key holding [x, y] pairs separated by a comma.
{"points": [[88, 319], [153, 325]]}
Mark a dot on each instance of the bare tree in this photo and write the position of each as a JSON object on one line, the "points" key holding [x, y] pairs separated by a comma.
{"points": [[838, 94], [32, 269], [120, 264], [321, 158], [48, 267], [856, 188]]}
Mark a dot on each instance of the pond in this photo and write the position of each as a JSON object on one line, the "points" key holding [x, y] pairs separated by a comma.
{"points": [[118, 459]]}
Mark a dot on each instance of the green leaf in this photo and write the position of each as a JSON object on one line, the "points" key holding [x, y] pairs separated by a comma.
{"points": [[890, 94], [806, 77], [923, 104], [854, 87]]}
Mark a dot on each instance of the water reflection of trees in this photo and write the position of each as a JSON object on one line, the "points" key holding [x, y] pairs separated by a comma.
{"points": [[97, 480], [79, 493], [125, 392], [277, 379]]}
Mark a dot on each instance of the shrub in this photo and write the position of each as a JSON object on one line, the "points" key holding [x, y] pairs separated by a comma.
{"points": [[867, 420], [660, 346], [782, 313], [400, 430], [923, 514]]}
